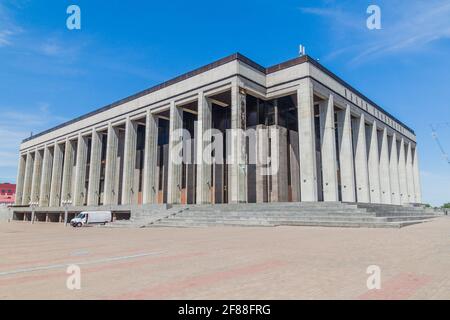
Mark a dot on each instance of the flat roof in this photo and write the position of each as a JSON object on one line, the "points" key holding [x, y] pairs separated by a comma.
{"points": [[210, 66]]}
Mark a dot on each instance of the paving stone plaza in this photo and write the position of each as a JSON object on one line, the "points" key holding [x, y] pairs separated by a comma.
{"points": [[225, 263]]}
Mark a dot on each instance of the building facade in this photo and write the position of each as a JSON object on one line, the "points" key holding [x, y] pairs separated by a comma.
{"points": [[7, 193], [229, 132]]}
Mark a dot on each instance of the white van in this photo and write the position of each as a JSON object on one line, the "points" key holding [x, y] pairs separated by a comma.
{"points": [[91, 217]]}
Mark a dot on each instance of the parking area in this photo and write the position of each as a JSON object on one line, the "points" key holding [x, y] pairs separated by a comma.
{"points": [[224, 262]]}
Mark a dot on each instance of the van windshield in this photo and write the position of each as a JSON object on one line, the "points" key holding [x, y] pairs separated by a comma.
{"points": [[80, 216]]}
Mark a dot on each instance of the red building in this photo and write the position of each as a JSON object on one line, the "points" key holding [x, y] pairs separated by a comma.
{"points": [[7, 193]]}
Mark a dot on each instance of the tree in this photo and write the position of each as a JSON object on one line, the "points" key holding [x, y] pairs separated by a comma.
{"points": [[446, 206]]}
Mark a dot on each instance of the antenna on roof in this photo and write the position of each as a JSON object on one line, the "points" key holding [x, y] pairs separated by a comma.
{"points": [[301, 50]]}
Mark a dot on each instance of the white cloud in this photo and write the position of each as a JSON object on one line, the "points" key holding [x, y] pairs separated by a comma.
{"points": [[53, 45], [8, 28], [17, 125], [4, 38], [407, 26], [338, 16], [51, 49]]}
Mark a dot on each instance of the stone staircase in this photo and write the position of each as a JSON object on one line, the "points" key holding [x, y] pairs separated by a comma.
{"points": [[143, 216], [329, 214]]}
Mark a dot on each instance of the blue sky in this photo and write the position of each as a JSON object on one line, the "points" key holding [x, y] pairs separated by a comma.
{"points": [[49, 74]]}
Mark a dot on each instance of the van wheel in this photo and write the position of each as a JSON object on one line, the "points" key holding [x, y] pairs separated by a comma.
{"points": [[79, 224]]}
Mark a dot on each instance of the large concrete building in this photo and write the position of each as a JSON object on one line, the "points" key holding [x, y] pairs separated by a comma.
{"points": [[327, 141]]}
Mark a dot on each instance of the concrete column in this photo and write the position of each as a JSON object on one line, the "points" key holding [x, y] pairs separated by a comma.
{"points": [[150, 159], [328, 150], [37, 174], [163, 172], [80, 171], [46, 180], [26, 197], [129, 195], [410, 175], [262, 164], [20, 179], [95, 164], [361, 167], [238, 168], [204, 122], [374, 165], [175, 154], [278, 141], [417, 184], [402, 173], [385, 179], [191, 167], [347, 168], [112, 146], [69, 153], [307, 143], [393, 171], [294, 165], [55, 190], [118, 182]]}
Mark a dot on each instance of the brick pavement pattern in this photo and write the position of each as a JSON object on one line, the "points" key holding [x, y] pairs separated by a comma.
{"points": [[224, 262]]}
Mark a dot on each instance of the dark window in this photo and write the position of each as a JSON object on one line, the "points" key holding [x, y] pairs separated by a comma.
{"points": [[268, 113], [287, 110], [163, 132], [252, 111]]}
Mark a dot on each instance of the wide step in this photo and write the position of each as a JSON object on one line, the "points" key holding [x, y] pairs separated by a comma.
{"points": [[297, 214]]}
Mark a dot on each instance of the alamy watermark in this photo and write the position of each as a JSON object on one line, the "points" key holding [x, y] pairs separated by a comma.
{"points": [[374, 280], [73, 281], [73, 22], [243, 147], [374, 20]]}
